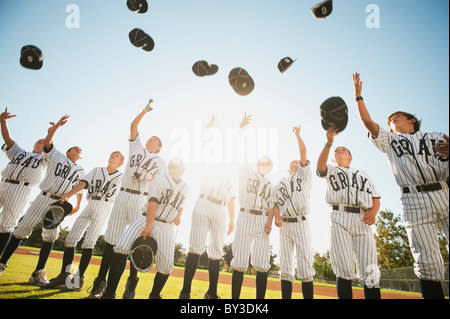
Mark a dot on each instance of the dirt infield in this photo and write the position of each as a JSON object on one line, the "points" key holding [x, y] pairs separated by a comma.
{"points": [[248, 281]]}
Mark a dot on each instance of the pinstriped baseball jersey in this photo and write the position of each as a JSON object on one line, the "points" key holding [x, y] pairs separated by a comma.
{"points": [[412, 161], [218, 186], [255, 190], [142, 166], [100, 183], [350, 187], [411, 156], [23, 166], [62, 174], [292, 193], [170, 195]]}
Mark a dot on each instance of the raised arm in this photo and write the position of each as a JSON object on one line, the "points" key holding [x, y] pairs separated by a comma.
{"points": [[301, 146], [4, 117], [323, 157], [52, 130], [370, 125], [134, 130]]}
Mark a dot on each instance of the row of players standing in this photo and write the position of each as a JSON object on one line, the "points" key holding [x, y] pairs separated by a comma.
{"points": [[354, 207]]}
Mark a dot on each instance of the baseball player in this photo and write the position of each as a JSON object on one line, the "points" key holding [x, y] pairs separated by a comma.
{"points": [[217, 193], [254, 224], [291, 200], [20, 175], [355, 201], [62, 175], [143, 165], [102, 184], [166, 198], [419, 162]]}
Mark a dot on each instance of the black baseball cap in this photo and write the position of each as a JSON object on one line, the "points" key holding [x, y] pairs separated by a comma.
{"points": [[31, 57]]}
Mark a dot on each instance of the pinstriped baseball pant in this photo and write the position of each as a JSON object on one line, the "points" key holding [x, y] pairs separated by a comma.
{"points": [[208, 219], [32, 217], [422, 214], [91, 220], [250, 241], [127, 208], [164, 235], [296, 237], [352, 240], [13, 199]]}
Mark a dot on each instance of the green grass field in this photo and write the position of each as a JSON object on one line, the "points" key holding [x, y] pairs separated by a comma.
{"points": [[14, 283]]}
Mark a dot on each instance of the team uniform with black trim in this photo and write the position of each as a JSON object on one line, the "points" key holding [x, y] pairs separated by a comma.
{"points": [[20, 175], [423, 180], [250, 239], [209, 217], [102, 189], [292, 196], [141, 168], [62, 175], [171, 197], [350, 193]]}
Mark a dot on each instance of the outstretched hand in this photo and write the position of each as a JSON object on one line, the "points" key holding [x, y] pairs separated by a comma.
{"points": [[357, 84], [60, 123], [331, 133], [245, 121], [6, 115]]}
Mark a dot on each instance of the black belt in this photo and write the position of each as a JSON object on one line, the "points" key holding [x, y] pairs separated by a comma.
{"points": [[424, 188], [349, 209], [51, 195], [162, 221], [213, 199], [292, 219], [12, 181], [98, 198], [132, 191], [253, 211]]}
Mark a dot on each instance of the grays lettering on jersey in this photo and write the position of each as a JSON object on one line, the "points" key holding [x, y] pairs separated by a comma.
{"points": [[350, 187], [142, 166], [255, 190], [23, 166], [170, 195], [62, 174], [411, 157], [101, 184], [292, 193]]}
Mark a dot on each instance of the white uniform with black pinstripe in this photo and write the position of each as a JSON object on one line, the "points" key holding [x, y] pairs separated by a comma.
{"points": [[20, 175], [351, 189], [142, 167], [250, 239], [102, 189], [171, 197], [292, 196], [412, 161], [62, 175], [210, 216]]}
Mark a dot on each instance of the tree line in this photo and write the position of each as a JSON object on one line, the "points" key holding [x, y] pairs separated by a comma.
{"points": [[391, 241]]}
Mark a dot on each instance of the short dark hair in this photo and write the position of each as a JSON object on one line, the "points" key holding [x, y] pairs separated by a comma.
{"points": [[409, 116]]}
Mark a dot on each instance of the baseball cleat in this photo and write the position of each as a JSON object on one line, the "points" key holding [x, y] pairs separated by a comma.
{"points": [[2, 268], [39, 277], [130, 288], [184, 295], [57, 282], [96, 291]]}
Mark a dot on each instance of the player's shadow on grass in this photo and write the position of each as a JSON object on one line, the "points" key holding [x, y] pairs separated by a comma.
{"points": [[51, 292]]}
